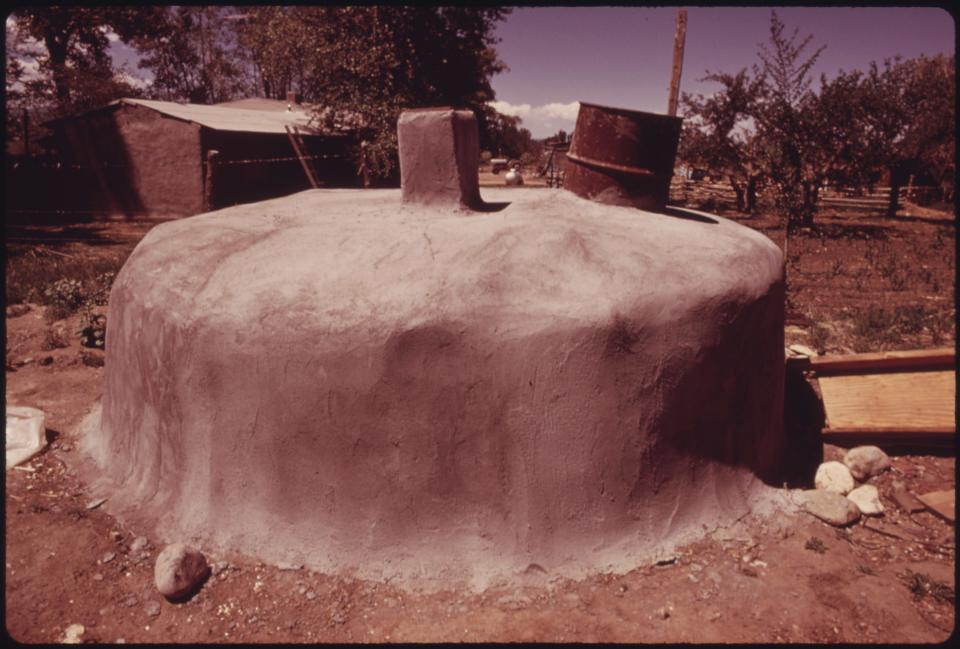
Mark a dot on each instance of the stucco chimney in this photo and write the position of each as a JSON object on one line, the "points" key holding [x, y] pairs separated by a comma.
{"points": [[439, 157]]}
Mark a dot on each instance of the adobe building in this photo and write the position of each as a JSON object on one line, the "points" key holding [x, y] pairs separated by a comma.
{"points": [[136, 157]]}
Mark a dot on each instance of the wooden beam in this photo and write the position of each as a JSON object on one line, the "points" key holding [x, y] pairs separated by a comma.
{"points": [[920, 359], [294, 137], [934, 437], [678, 42]]}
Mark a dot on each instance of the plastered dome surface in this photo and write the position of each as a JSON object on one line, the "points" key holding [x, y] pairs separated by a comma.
{"points": [[383, 388]]}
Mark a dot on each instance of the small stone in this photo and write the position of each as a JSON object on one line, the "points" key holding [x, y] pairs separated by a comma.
{"points": [[72, 634], [713, 617], [219, 567], [66, 448], [803, 350], [663, 613], [178, 569], [834, 476], [866, 461], [867, 499], [108, 557], [98, 577], [289, 566], [93, 504], [152, 609], [139, 543], [830, 507], [17, 310], [311, 595], [130, 601]]}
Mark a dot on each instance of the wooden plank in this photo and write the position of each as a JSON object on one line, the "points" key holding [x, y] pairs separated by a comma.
{"points": [[303, 163], [942, 503], [944, 357], [941, 439], [898, 400], [679, 41]]}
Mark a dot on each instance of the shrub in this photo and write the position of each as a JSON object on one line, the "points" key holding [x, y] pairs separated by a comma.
{"points": [[94, 334], [64, 297]]}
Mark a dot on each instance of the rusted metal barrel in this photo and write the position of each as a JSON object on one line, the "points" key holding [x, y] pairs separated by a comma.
{"points": [[622, 157]]}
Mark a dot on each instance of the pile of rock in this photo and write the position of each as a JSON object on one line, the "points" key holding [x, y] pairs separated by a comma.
{"points": [[837, 499]]}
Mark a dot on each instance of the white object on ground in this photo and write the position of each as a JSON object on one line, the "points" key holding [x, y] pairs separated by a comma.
{"points": [[867, 499], [834, 476], [830, 507], [73, 633], [179, 568], [25, 434]]}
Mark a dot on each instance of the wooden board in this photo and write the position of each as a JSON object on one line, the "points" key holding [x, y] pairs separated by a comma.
{"points": [[919, 359], [891, 400], [942, 503]]}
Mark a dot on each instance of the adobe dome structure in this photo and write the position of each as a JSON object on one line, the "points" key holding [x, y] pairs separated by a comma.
{"points": [[423, 385]]}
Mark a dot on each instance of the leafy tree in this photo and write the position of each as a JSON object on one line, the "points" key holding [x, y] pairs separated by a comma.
{"points": [[70, 46], [716, 134], [784, 120], [368, 63], [277, 42], [193, 54]]}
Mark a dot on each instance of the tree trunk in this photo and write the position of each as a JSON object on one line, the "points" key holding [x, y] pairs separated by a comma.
{"points": [[896, 181], [738, 190], [751, 195]]}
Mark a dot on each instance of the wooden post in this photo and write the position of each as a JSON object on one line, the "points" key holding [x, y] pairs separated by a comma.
{"points": [[208, 182], [678, 43]]}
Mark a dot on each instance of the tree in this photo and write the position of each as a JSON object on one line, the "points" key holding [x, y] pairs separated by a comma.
{"points": [[70, 46], [367, 63], [716, 134], [277, 42], [193, 54], [784, 120], [914, 121]]}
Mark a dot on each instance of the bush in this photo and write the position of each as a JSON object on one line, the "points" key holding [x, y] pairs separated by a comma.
{"points": [[64, 297], [94, 334]]}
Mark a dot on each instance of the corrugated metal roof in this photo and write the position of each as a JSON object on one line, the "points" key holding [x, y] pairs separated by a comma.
{"points": [[229, 119]]}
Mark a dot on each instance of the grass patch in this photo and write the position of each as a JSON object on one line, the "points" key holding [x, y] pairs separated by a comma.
{"points": [[30, 272]]}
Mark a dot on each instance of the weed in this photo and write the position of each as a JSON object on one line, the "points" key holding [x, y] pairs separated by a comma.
{"points": [[819, 336], [64, 297], [29, 272], [922, 585], [866, 569], [94, 334], [55, 338], [816, 545]]}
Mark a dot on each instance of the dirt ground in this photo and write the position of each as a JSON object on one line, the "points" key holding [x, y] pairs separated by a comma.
{"points": [[786, 578]]}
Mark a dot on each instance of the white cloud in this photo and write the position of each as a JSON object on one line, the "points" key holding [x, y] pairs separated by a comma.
{"points": [[544, 120], [134, 81], [561, 111], [506, 108]]}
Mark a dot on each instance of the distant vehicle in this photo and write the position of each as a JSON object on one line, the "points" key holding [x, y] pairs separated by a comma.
{"points": [[498, 164]]}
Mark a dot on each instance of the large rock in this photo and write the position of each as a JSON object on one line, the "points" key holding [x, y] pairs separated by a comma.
{"points": [[830, 507], [865, 462], [179, 569], [867, 499], [345, 380], [834, 476]]}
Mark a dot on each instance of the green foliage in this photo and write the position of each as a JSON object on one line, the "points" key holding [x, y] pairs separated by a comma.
{"points": [[193, 54], [64, 297], [367, 63], [94, 332]]}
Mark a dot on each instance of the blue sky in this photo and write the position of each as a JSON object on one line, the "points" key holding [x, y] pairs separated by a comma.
{"points": [[621, 56]]}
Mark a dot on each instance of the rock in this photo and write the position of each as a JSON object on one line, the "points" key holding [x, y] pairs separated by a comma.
{"points": [[17, 310], [219, 567], [72, 634], [178, 570], [139, 543], [663, 613], [834, 476], [867, 499], [803, 350], [93, 504], [830, 507], [866, 461], [108, 557], [152, 609], [130, 601], [311, 595]]}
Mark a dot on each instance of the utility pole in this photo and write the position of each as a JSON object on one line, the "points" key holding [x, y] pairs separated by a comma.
{"points": [[678, 43]]}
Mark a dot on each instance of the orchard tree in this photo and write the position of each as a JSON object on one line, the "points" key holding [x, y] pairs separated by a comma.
{"points": [[784, 120], [716, 134]]}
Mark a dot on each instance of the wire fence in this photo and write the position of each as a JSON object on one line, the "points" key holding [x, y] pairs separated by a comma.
{"points": [[17, 166]]}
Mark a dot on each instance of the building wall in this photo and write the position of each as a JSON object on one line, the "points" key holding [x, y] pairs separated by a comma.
{"points": [[257, 166], [133, 161]]}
